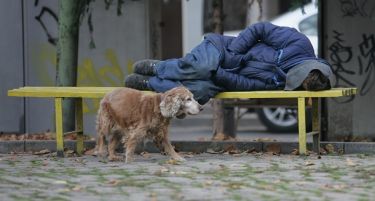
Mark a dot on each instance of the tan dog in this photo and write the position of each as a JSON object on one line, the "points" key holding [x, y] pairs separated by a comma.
{"points": [[133, 115]]}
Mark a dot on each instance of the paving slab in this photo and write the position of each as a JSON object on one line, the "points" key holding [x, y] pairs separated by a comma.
{"points": [[152, 176]]}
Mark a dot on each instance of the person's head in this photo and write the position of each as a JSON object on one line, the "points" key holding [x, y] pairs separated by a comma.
{"points": [[316, 81], [311, 75]]}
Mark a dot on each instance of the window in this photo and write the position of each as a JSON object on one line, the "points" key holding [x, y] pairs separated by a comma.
{"points": [[309, 26]]}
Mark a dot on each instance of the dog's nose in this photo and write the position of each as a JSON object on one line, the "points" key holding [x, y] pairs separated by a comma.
{"points": [[200, 108]]}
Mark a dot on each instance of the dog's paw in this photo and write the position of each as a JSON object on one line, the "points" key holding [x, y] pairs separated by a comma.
{"points": [[100, 154], [179, 159], [115, 158]]}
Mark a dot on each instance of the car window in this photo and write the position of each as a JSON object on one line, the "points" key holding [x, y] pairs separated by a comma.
{"points": [[309, 25]]}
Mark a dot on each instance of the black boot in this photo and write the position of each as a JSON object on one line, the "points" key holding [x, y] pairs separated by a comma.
{"points": [[145, 67], [137, 81]]}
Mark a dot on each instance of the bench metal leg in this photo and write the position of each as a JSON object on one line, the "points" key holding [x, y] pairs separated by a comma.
{"points": [[302, 126], [59, 127], [79, 126], [316, 124]]}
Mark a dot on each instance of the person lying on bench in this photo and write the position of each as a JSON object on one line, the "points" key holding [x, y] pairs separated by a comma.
{"points": [[263, 57]]}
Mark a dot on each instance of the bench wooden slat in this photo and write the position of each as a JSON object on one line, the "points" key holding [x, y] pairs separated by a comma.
{"points": [[335, 92], [98, 92], [69, 92]]}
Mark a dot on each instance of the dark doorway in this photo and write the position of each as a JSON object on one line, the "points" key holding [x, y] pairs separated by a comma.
{"points": [[171, 29]]}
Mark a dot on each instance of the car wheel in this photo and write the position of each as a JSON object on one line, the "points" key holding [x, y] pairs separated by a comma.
{"points": [[281, 119]]}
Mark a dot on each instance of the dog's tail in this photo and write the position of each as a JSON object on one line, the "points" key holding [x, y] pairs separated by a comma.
{"points": [[104, 124], [104, 120]]}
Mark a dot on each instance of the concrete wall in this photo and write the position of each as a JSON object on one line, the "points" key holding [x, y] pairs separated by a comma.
{"points": [[349, 45], [11, 65], [119, 40]]}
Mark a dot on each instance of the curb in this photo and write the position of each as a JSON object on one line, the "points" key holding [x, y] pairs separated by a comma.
{"points": [[192, 146]]}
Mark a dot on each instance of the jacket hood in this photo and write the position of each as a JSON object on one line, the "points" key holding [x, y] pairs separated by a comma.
{"points": [[298, 73]]}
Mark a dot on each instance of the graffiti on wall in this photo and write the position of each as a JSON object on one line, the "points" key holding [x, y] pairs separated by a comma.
{"points": [[89, 73], [366, 61], [47, 14], [362, 62], [352, 52], [360, 8]]}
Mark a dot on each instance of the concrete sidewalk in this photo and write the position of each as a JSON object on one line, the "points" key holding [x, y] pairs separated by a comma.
{"points": [[205, 176]]}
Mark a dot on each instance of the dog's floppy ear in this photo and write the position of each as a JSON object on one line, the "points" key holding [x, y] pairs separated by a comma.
{"points": [[170, 104]]}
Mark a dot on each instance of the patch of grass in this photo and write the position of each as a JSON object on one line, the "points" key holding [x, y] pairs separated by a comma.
{"points": [[11, 162], [11, 181], [172, 185], [125, 173], [233, 185], [56, 198], [20, 198], [275, 167], [36, 163], [71, 172], [334, 172], [317, 192], [141, 170], [38, 195], [197, 185], [92, 190], [306, 175], [268, 197], [362, 156], [45, 174], [237, 197]]}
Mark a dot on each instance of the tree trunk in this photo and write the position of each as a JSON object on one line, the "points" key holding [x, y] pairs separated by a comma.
{"points": [[223, 119], [67, 54]]}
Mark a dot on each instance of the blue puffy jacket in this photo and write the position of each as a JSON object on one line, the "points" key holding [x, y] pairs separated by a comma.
{"points": [[260, 57]]}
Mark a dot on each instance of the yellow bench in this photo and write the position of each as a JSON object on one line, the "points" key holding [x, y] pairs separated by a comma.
{"points": [[58, 93]]}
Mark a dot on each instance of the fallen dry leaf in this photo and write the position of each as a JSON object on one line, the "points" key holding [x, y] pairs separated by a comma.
{"points": [[42, 152], [39, 136], [309, 163], [211, 151], [335, 187], [77, 188], [61, 182], [145, 154], [295, 152], [273, 148], [113, 182], [330, 148], [349, 162], [161, 171], [251, 151], [322, 151], [153, 196], [172, 162], [63, 190], [208, 183], [90, 152], [187, 154], [231, 149], [265, 140], [69, 151], [222, 137]]}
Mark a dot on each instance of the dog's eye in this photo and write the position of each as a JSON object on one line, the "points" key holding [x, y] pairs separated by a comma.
{"points": [[188, 99]]}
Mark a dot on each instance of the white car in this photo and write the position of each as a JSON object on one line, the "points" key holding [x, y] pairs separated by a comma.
{"points": [[281, 119]]}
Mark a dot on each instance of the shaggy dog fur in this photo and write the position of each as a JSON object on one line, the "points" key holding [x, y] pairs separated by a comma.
{"points": [[131, 116]]}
